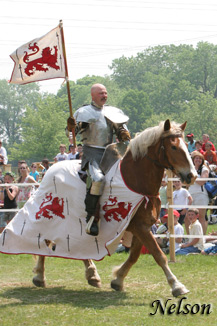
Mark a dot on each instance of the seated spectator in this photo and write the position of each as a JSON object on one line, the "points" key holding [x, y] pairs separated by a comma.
{"points": [[79, 152], [212, 249], [62, 156], [205, 140], [45, 163], [3, 154], [73, 152], [210, 156], [34, 173], [178, 230], [194, 245], [181, 196], [10, 194], [198, 145], [191, 142], [25, 192]]}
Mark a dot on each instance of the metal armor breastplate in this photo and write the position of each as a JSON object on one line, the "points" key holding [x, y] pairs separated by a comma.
{"points": [[99, 131]]}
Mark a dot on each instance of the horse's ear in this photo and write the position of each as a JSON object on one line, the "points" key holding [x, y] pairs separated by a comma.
{"points": [[167, 125], [183, 126]]}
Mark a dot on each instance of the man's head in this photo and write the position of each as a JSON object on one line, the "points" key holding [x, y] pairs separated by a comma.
{"points": [[208, 146], [205, 138], [99, 94], [45, 163], [177, 184], [79, 148], [62, 148], [198, 144], [0, 143], [9, 177], [193, 214], [190, 137], [72, 149]]}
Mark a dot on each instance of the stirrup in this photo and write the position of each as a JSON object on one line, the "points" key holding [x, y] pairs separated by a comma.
{"points": [[92, 227]]}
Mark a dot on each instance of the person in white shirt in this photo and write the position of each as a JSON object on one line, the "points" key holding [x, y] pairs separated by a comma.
{"points": [[73, 152], [3, 154], [62, 156], [181, 196]]}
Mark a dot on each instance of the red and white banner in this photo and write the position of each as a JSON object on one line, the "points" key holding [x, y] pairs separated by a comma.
{"points": [[39, 59]]}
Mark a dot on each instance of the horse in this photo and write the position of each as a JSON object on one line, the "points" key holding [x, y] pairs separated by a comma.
{"points": [[148, 155]]}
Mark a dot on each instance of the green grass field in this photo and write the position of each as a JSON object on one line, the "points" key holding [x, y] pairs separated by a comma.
{"points": [[68, 299]]}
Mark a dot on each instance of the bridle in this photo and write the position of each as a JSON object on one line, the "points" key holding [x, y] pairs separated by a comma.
{"points": [[161, 152]]}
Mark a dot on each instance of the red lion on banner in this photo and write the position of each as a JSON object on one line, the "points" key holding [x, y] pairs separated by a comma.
{"points": [[117, 211], [41, 64], [55, 206]]}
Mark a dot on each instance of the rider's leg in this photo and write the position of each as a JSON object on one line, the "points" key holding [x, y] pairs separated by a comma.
{"points": [[94, 190]]}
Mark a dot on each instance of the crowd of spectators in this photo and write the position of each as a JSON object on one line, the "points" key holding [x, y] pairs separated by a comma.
{"points": [[194, 219]]}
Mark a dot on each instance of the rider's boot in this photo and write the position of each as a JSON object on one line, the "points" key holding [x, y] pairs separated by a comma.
{"points": [[92, 220]]}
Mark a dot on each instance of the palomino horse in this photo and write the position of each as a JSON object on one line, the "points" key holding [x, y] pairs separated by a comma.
{"points": [[142, 168]]}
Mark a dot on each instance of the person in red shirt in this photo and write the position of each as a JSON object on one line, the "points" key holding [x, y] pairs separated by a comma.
{"points": [[198, 145], [210, 155], [205, 140]]}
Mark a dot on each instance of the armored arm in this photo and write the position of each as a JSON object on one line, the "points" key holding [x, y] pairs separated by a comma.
{"points": [[122, 132]]}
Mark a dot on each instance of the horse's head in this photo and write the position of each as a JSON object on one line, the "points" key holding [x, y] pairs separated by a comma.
{"points": [[173, 152]]}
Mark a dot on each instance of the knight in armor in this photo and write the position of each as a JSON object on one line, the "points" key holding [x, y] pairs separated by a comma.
{"points": [[96, 123]]}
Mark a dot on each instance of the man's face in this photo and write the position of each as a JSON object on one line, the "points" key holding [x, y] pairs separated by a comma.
{"points": [[62, 149], [207, 147], [99, 95], [8, 179], [205, 138], [73, 149], [192, 217]]}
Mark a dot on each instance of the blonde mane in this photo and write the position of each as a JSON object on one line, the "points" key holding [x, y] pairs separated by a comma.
{"points": [[149, 137]]}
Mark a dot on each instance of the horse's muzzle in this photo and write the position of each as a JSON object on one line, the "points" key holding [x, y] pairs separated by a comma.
{"points": [[188, 179]]}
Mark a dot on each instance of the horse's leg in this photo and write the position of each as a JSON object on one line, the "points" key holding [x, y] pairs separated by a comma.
{"points": [[91, 273], [39, 279], [145, 235], [121, 272]]}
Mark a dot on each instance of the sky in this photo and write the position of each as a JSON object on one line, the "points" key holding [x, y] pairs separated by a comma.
{"points": [[99, 31]]}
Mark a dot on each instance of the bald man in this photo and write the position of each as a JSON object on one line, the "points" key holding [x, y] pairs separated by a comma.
{"points": [[96, 123]]}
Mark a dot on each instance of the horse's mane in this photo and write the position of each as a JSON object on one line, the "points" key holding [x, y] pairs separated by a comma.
{"points": [[150, 136]]}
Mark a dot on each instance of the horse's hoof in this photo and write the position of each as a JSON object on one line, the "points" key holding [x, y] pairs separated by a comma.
{"points": [[116, 286], [39, 284], [95, 283], [180, 291]]}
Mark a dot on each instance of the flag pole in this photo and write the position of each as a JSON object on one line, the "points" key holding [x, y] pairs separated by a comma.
{"points": [[67, 77]]}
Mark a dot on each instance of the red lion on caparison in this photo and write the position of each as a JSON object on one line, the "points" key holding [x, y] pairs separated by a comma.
{"points": [[51, 206], [117, 211], [40, 64]]}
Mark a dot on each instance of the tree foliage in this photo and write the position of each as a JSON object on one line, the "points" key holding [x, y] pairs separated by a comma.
{"points": [[176, 82], [13, 102], [43, 130]]}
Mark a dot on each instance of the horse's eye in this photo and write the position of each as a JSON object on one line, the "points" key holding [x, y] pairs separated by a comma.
{"points": [[174, 148]]}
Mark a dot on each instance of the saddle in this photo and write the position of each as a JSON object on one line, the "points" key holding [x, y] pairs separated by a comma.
{"points": [[113, 152]]}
